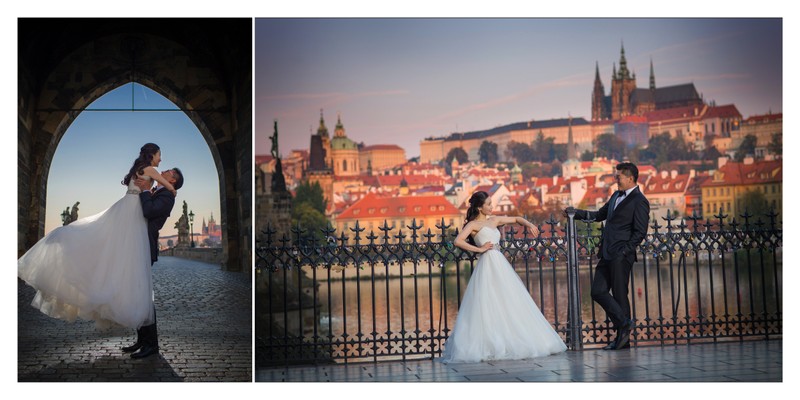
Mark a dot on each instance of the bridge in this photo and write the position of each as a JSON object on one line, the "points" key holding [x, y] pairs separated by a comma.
{"points": [[204, 326]]}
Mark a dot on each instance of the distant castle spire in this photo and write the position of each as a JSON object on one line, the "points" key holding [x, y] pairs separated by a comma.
{"points": [[652, 76]]}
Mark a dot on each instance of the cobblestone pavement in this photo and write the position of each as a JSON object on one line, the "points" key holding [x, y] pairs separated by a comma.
{"points": [[204, 328]]}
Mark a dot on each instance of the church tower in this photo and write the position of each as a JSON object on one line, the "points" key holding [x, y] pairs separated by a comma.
{"points": [[344, 152], [320, 160], [622, 87], [599, 111]]}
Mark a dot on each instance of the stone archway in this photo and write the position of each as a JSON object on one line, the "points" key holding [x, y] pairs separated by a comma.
{"points": [[201, 65]]}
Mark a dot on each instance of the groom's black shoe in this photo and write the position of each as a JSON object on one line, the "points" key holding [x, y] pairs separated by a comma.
{"points": [[624, 336], [132, 348], [611, 346], [145, 351]]}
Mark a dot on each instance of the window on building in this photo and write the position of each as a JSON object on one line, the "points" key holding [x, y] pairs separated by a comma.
{"points": [[344, 165], [728, 204]]}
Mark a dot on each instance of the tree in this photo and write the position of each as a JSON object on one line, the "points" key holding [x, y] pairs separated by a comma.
{"points": [[587, 156], [488, 153], [521, 152], [610, 146], [711, 154], [775, 146], [309, 193], [748, 147], [459, 154], [544, 148], [309, 219], [755, 202]]}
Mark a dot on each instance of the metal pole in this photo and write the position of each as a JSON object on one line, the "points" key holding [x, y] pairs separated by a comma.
{"points": [[574, 322]]}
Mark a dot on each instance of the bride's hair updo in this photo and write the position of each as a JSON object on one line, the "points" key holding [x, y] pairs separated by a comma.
{"points": [[476, 201], [146, 154]]}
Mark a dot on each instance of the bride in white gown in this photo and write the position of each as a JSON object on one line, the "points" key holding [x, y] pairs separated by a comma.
{"points": [[498, 319], [98, 268]]}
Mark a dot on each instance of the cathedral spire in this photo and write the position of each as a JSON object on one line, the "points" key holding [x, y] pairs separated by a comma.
{"points": [[652, 76], [623, 64]]}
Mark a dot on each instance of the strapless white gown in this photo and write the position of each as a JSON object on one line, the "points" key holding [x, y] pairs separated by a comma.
{"points": [[96, 268], [498, 319]]}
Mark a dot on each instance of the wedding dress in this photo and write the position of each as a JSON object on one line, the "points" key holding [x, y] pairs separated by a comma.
{"points": [[96, 268], [498, 319]]}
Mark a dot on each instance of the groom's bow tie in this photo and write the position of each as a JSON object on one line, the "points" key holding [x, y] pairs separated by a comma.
{"points": [[620, 193]]}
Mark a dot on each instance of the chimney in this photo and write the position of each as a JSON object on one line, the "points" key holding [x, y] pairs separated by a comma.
{"points": [[673, 174], [664, 174], [692, 173], [748, 160], [722, 161]]}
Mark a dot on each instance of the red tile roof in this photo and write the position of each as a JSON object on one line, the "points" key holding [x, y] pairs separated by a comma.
{"points": [[263, 159], [382, 147], [726, 111], [762, 119], [374, 206], [659, 185], [595, 193], [734, 173], [411, 180]]}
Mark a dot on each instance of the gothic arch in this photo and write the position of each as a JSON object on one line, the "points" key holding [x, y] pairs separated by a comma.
{"points": [[202, 66]]}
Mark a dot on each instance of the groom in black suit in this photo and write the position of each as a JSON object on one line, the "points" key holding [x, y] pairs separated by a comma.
{"points": [[627, 215], [156, 206]]}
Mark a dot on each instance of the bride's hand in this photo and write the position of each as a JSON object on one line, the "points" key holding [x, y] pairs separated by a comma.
{"points": [[534, 230], [174, 192], [486, 247]]}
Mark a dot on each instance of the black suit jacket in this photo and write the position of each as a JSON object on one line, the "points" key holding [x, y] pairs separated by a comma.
{"points": [[156, 207], [625, 228]]}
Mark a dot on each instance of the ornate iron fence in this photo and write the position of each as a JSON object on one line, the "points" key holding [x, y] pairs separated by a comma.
{"points": [[395, 295]]}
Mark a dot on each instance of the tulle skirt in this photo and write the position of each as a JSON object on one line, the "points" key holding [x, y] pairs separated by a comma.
{"points": [[96, 268], [498, 319]]}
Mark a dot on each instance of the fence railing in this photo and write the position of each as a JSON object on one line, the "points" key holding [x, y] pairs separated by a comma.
{"points": [[396, 294]]}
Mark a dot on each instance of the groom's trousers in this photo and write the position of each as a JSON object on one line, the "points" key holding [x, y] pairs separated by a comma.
{"points": [[613, 275]]}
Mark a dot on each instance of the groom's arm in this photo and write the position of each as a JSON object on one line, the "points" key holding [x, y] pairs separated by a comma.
{"points": [[156, 206]]}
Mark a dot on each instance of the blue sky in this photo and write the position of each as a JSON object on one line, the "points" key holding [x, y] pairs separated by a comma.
{"points": [[401, 80], [98, 149]]}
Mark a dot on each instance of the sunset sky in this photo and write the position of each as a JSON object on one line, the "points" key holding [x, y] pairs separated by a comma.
{"points": [[401, 80]]}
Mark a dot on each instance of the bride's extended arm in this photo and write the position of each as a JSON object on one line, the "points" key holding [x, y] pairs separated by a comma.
{"points": [[153, 173], [501, 220], [461, 241]]}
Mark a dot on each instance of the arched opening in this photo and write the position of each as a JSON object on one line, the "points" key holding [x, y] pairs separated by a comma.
{"points": [[202, 67], [98, 148]]}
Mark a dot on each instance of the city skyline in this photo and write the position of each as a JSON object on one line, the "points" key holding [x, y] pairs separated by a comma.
{"points": [[98, 149], [398, 81]]}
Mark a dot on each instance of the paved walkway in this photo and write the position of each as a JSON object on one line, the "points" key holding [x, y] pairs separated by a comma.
{"points": [[750, 361], [204, 323]]}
